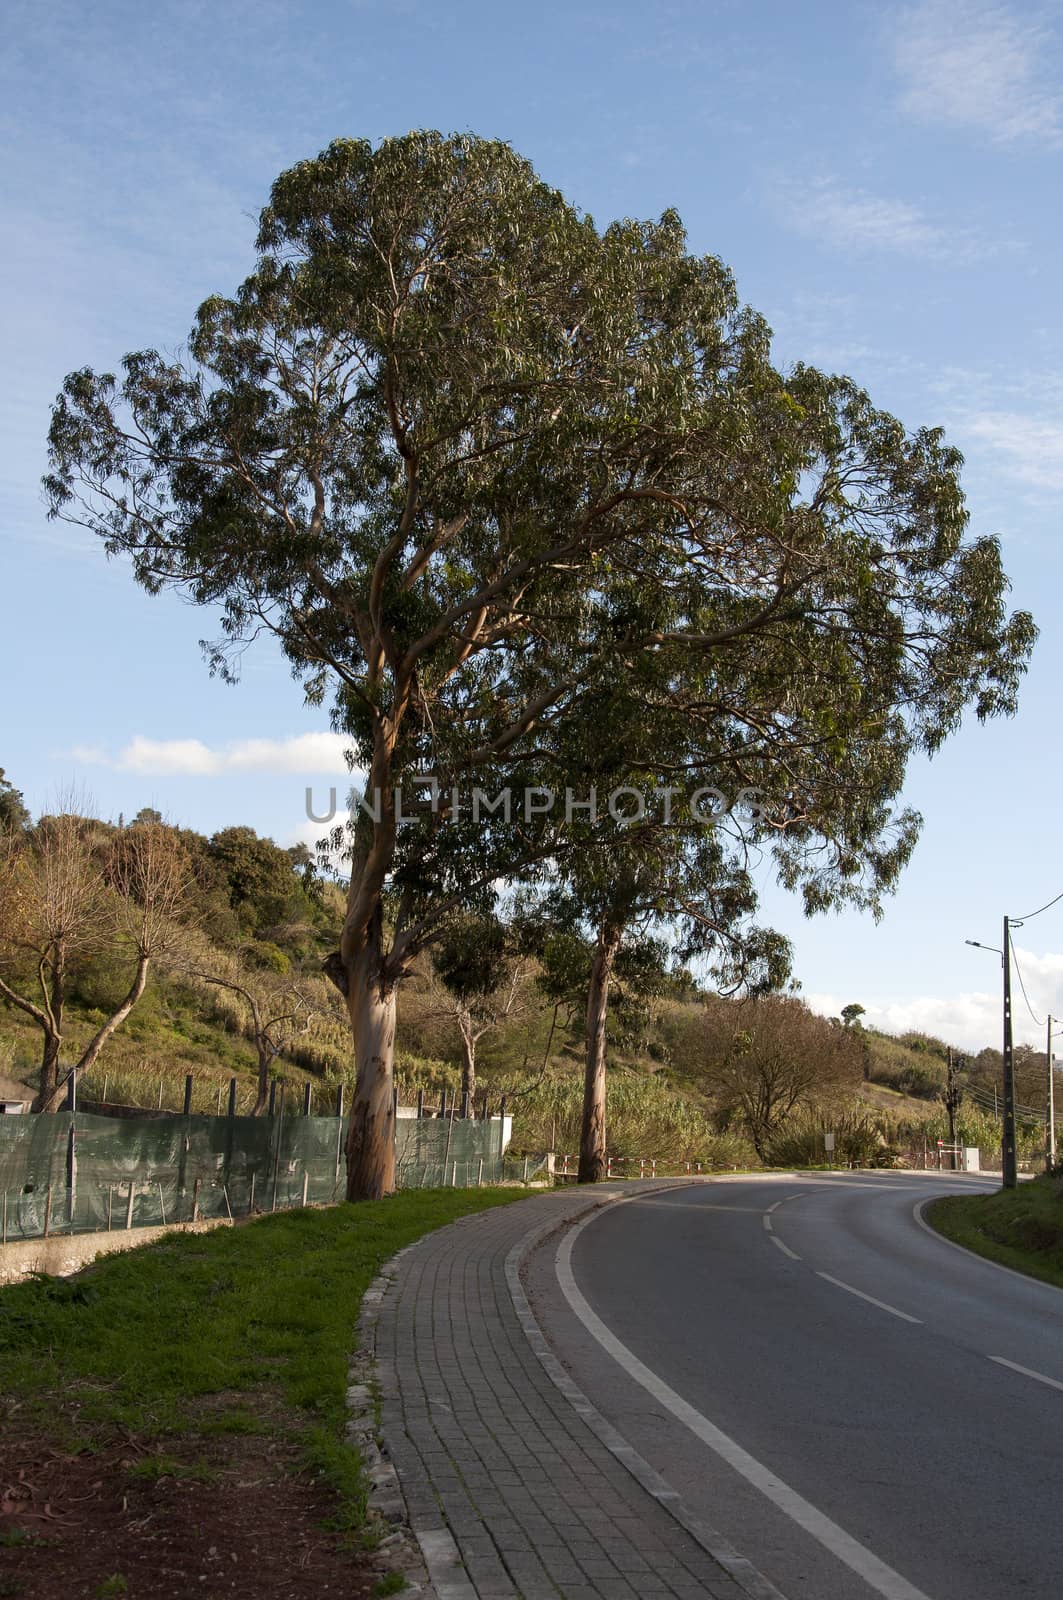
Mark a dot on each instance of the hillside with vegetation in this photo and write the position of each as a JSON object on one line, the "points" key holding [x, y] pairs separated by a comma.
{"points": [[236, 989]]}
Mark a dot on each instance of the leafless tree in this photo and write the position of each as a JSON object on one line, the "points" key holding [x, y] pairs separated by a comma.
{"points": [[65, 895], [765, 1058], [278, 1009], [479, 1014]]}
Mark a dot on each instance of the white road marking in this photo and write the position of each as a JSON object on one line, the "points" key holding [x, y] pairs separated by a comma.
{"points": [[869, 1298], [767, 1223], [785, 1248], [776, 1206], [1027, 1372], [857, 1557]]}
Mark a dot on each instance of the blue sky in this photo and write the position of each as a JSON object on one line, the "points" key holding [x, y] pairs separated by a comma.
{"points": [[884, 181]]}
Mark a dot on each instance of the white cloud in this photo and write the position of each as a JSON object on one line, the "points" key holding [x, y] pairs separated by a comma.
{"points": [[971, 1020], [303, 753], [857, 220], [1031, 448], [975, 65]]}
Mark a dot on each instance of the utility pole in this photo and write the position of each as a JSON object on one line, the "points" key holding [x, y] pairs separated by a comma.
{"points": [[952, 1103], [1009, 1162], [1050, 1114]]}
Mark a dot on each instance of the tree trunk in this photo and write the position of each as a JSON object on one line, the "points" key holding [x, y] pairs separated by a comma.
{"points": [[262, 1094], [371, 1130], [117, 1017], [50, 1093], [468, 1062], [592, 1160]]}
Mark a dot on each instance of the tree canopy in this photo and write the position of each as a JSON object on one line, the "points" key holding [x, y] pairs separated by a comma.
{"points": [[465, 454]]}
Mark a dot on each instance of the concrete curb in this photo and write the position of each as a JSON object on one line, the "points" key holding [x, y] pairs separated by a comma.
{"points": [[398, 1549]]}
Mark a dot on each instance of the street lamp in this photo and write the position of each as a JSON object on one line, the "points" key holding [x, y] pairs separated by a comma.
{"points": [[1008, 1163]]}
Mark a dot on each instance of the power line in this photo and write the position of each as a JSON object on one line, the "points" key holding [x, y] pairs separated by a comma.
{"points": [[1039, 1021], [1030, 915]]}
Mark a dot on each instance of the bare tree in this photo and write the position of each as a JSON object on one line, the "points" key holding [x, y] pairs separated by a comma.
{"points": [[765, 1058], [278, 1009], [479, 1013], [65, 897]]}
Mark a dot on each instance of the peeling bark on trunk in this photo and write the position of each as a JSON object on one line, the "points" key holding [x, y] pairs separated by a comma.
{"points": [[371, 1131], [592, 1159]]}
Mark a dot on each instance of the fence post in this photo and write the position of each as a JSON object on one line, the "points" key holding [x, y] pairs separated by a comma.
{"points": [[450, 1135], [480, 1174], [71, 1145], [273, 1098], [443, 1102], [339, 1101], [232, 1097], [501, 1132], [129, 1206], [251, 1197], [48, 1212], [5, 1218], [182, 1172], [420, 1104], [195, 1200], [110, 1203], [308, 1094], [277, 1161], [306, 1184], [465, 1105]]}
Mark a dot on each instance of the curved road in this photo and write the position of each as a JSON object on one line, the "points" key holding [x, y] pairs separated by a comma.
{"points": [[858, 1406]]}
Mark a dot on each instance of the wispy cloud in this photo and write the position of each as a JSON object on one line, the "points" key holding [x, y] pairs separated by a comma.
{"points": [[1029, 448], [979, 66], [855, 219], [161, 758]]}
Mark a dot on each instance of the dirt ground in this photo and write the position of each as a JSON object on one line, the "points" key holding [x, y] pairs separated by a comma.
{"points": [[219, 1517]]}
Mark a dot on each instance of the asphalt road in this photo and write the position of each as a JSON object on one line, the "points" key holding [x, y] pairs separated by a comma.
{"points": [[824, 1381]]}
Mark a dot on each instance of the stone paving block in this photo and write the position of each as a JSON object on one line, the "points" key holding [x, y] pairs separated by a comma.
{"points": [[489, 1450]]}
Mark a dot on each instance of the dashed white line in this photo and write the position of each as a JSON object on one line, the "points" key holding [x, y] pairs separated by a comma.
{"points": [[785, 1248], [767, 1223], [1027, 1372], [776, 1206], [838, 1284]]}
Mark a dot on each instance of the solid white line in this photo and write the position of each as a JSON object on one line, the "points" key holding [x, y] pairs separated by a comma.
{"points": [[875, 1573], [869, 1298], [776, 1206], [1027, 1372], [973, 1255], [767, 1223], [785, 1248]]}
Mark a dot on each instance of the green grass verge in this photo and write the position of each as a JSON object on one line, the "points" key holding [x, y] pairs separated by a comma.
{"points": [[1020, 1228], [204, 1331]]}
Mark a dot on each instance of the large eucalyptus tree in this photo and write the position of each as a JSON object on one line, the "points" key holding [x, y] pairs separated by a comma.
{"points": [[412, 441]]}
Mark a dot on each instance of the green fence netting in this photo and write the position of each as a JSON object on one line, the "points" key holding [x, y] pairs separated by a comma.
{"points": [[81, 1173]]}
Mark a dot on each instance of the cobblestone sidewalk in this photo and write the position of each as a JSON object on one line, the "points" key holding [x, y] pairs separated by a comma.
{"points": [[511, 1491]]}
